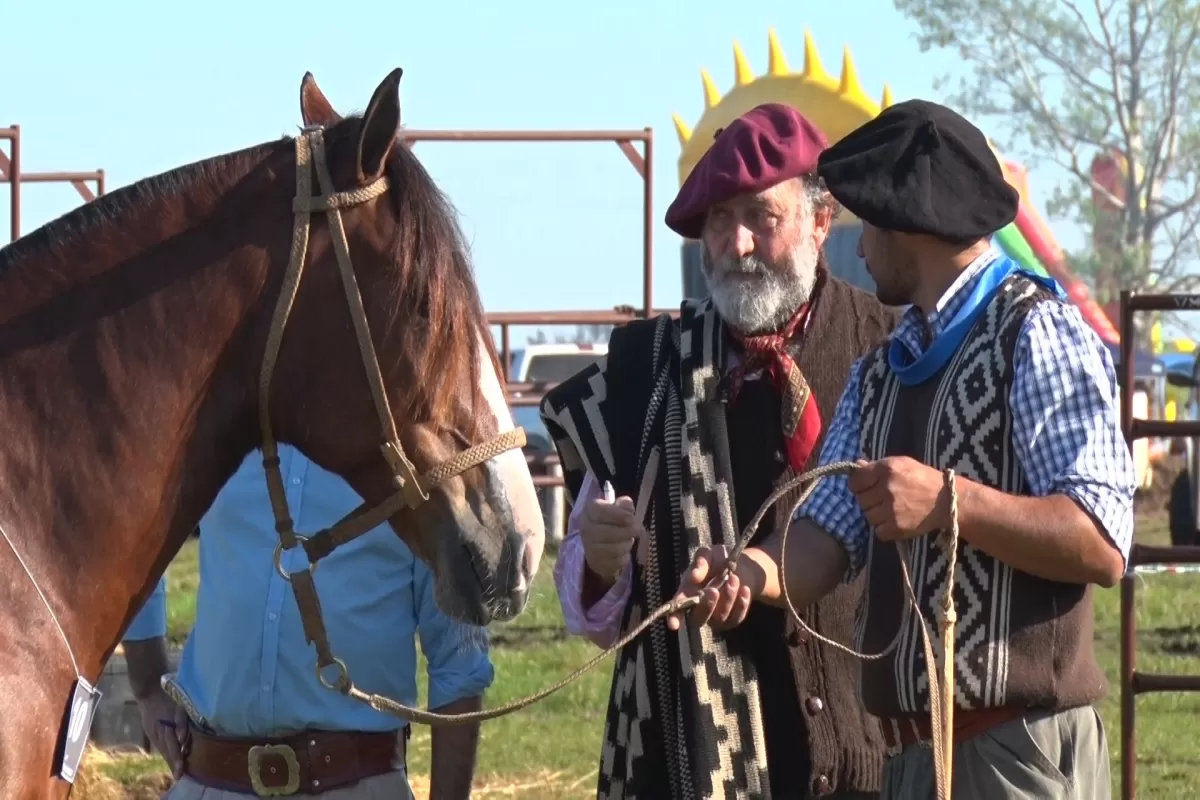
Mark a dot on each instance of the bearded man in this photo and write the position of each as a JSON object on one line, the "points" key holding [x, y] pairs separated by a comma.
{"points": [[730, 399], [992, 373]]}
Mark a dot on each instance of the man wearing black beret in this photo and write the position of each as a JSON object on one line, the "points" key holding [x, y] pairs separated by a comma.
{"points": [[993, 374]]}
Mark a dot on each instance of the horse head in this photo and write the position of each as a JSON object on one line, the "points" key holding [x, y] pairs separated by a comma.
{"points": [[478, 526]]}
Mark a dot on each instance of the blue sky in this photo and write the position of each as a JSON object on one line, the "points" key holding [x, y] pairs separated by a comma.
{"points": [[140, 87]]}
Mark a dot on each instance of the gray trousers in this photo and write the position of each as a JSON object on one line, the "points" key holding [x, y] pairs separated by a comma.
{"points": [[1043, 755]]}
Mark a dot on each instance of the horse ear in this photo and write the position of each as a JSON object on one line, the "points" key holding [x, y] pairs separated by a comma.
{"points": [[377, 136], [314, 107]]}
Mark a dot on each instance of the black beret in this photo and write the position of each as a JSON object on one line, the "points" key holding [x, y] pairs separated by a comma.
{"points": [[919, 167]]}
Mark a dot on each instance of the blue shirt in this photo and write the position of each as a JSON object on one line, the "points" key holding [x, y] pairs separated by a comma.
{"points": [[1066, 432], [246, 665]]}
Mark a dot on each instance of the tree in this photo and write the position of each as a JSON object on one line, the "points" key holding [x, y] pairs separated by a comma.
{"points": [[593, 334], [1110, 93], [584, 334]]}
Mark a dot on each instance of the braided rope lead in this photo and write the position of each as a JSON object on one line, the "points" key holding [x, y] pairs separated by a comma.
{"points": [[941, 700], [941, 691], [949, 619], [422, 717]]}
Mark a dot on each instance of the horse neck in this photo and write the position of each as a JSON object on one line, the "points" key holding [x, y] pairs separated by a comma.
{"points": [[127, 403]]}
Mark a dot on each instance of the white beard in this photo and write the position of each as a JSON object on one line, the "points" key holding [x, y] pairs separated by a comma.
{"points": [[754, 298]]}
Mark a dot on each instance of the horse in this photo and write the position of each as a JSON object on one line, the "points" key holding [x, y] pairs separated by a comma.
{"points": [[144, 356]]}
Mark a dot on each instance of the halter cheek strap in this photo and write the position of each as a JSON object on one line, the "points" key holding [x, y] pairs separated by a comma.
{"points": [[411, 489]]}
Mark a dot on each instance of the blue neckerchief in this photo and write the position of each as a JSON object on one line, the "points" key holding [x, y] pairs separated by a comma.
{"points": [[913, 372]]}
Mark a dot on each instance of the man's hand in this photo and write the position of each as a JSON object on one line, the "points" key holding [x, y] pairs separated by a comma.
{"points": [[608, 532], [166, 725], [722, 608], [901, 497], [164, 722]]}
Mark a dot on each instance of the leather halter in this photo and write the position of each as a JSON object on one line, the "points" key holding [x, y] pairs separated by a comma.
{"points": [[411, 488]]}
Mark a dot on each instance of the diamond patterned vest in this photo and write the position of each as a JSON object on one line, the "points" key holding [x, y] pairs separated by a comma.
{"points": [[1020, 639]]}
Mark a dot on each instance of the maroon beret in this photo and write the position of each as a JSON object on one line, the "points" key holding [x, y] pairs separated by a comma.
{"points": [[766, 146]]}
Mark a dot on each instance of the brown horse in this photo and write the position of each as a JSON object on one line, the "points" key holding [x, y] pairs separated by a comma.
{"points": [[132, 332]]}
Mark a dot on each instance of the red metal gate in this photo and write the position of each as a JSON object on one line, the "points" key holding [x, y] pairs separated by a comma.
{"points": [[10, 172], [545, 467], [643, 164], [1133, 682]]}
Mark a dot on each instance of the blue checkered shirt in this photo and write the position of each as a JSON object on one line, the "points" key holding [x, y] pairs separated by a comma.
{"points": [[1066, 430]]}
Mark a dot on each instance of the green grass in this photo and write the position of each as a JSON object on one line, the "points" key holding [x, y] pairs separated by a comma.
{"points": [[561, 734], [557, 741], [183, 579]]}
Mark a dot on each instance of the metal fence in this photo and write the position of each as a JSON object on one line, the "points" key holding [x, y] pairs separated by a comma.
{"points": [[12, 174], [1133, 682], [547, 472], [643, 164]]}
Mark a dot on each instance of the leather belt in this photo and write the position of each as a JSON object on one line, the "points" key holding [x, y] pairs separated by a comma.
{"points": [[305, 763], [901, 732]]}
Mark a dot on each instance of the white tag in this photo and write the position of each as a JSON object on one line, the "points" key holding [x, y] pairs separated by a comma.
{"points": [[79, 727]]}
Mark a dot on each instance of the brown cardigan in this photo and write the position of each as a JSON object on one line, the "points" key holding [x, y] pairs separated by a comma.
{"points": [[845, 749]]}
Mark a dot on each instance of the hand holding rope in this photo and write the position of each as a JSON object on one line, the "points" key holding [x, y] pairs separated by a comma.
{"points": [[941, 682]]}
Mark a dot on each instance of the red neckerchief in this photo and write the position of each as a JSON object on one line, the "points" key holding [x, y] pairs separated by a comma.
{"points": [[800, 418]]}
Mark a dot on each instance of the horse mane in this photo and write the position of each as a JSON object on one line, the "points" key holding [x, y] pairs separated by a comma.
{"points": [[433, 298], [110, 207]]}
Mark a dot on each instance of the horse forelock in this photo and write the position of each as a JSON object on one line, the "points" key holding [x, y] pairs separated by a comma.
{"points": [[432, 295]]}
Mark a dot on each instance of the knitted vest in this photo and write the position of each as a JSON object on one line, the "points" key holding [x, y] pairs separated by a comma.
{"points": [[1020, 640]]}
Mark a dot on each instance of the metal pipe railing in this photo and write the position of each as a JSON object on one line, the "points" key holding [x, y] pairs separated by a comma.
{"points": [[1133, 682]]}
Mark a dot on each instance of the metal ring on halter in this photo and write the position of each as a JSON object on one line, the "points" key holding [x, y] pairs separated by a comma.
{"points": [[283, 573], [342, 683]]}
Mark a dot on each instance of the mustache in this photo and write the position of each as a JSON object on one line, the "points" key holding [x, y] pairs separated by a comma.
{"points": [[747, 265]]}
